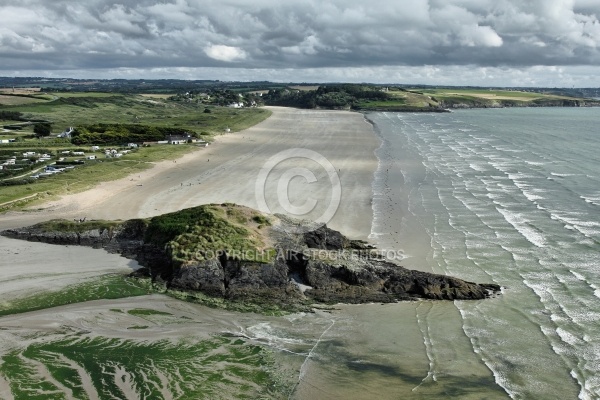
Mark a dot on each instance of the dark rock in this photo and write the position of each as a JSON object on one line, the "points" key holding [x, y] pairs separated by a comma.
{"points": [[206, 276], [298, 277]]}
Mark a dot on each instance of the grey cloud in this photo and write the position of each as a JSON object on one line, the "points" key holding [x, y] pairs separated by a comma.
{"points": [[265, 34]]}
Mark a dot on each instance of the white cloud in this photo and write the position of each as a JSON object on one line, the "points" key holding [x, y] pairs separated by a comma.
{"points": [[475, 35], [225, 53]]}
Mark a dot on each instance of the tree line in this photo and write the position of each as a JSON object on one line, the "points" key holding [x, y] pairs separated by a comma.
{"points": [[327, 96]]}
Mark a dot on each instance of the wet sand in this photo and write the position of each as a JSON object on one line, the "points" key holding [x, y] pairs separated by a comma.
{"points": [[225, 171], [369, 351]]}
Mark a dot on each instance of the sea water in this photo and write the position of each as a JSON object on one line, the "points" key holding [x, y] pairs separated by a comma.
{"points": [[509, 196]]}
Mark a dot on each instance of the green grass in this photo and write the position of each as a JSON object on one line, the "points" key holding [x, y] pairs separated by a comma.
{"points": [[200, 233], [105, 287], [11, 100], [146, 312], [423, 99], [489, 95], [257, 307], [73, 109], [217, 368], [63, 225], [82, 94], [93, 172]]}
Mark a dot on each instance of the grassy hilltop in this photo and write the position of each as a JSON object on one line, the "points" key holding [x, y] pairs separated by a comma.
{"points": [[109, 120]]}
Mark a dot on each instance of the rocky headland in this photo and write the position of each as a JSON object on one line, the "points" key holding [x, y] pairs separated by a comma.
{"points": [[239, 255]]}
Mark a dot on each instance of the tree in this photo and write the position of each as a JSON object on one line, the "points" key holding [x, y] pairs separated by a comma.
{"points": [[43, 129]]}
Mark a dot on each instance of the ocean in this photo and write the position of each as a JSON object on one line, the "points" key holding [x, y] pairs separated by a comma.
{"points": [[509, 196]]}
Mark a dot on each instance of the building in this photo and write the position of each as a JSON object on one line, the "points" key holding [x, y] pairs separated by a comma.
{"points": [[66, 133], [178, 139]]}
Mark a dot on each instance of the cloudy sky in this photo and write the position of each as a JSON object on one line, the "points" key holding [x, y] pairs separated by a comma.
{"points": [[477, 42]]}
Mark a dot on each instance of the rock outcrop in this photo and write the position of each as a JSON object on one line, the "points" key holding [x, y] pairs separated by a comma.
{"points": [[318, 266]]}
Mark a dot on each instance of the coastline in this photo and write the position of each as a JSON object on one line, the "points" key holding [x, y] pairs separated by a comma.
{"points": [[227, 170], [235, 160], [337, 345]]}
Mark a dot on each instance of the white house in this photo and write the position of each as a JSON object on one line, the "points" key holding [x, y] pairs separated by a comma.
{"points": [[78, 153], [67, 133], [91, 157], [132, 145], [95, 148]]}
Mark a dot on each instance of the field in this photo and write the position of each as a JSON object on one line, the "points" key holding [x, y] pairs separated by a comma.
{"points": [[76, 109], [20, 90], [419, 99], [304, 87], [12, 100], [156, 95], [492, 95], [72, 109]]}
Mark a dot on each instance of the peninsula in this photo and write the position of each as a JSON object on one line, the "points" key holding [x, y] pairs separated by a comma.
{"points": [[243, 256]]}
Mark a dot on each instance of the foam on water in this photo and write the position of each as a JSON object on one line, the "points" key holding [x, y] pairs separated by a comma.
{"points": [[521, 224], [595, 200], [509, 199]]}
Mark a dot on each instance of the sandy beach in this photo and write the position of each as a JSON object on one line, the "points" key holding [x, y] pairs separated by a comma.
{"points": [[225, 171], [328, 355]]}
